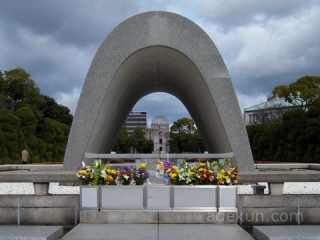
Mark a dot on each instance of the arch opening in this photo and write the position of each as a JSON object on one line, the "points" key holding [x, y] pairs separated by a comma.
{"points": [[157, 69]]}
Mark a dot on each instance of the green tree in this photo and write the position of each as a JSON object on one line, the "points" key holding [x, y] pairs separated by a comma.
{"points": [[18, 86], [138, 141], [51, 109], [300, 93], [122, 143], [185, 137]]}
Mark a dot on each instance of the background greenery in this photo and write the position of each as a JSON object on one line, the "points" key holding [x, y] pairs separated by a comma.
{"points": [[295, 139], [34, 121], [30, 120]]}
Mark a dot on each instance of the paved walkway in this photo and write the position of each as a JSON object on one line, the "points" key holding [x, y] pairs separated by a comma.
{"points": [[157, 232]]}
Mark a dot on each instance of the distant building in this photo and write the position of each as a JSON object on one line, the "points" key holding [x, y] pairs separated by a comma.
{"points": [[270, 111], [136, 119], [159, 133]]}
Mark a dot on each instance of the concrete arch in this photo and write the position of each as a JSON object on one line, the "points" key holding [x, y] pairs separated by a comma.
{"points": [[157, 52]]}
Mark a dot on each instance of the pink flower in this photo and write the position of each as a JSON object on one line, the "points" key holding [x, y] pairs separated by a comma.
{"points": [[235, 181], [232, 175], [221, 182]]}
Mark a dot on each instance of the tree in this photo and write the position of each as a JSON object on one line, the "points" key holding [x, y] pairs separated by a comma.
{"points": [[185, 137], [138, 141], [122, 142], [300, 93], [17, 86], [51, 109], [185, 125]]}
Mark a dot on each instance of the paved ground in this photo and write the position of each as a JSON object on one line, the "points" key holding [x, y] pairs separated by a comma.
{"points": [[13, 232], [300, 232], [157, 232]]}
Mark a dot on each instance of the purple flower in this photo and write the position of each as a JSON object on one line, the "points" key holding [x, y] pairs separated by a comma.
{"points": [[168, 164]]}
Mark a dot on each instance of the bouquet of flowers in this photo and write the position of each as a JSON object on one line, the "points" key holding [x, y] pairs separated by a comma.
{"points": [[85, 174], [91, 175], [228, 175], [109, 175], [197, 174], [132, 175], [141, 175], [209, 173]]}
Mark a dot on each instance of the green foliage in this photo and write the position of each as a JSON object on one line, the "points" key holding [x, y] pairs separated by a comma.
{"points": [[51, 109], [296, 139], [25, 123], [136, 141], [300, 93], [17, 86], [122, 143], [185, 137]]}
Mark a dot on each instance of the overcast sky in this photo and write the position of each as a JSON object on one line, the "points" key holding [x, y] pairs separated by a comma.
{"points": [[263, 43]]}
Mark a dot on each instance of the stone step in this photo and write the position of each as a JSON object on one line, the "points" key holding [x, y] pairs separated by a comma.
{"points": [[157, 232], [157, 217], [15, 232], [291, 232]]}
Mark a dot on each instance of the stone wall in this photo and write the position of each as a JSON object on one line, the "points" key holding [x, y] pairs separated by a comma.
{"points": [[39, 210]]}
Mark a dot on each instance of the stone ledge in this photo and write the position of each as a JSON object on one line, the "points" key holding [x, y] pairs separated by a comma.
{"points": [[157, 217], [31, 232]]}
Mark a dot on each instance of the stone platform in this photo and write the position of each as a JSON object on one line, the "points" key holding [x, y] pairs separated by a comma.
{"points": [[292, 232], [157, 232], [11, 232], [157, 217]]}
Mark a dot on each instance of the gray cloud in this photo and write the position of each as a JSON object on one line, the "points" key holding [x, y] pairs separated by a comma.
{"points": [[263, 43]]}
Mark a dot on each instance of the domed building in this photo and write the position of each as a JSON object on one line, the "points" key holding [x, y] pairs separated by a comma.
{"points": [[160, 134]]}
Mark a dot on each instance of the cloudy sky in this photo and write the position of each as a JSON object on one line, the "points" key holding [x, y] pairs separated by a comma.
{"points": [[263, 43]]}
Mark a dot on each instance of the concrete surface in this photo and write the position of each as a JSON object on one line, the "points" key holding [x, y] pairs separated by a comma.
{"points": [[306, 232], [157, 52], [30, 232], [157, 232], [156, 217]]}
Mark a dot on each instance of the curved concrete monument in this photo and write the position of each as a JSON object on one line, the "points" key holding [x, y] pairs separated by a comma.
{"points": [[157, 52]]}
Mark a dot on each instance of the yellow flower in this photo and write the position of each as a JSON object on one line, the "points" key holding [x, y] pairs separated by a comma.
{"points": [[202, 164], [78, 174], [84, 171], [210, 171], [223, 171], [175, 168], [143, 165], [169, 170], [191, 173], [109, 178], [108, 170], [173, 175], [202, 169], [229, 172], [113, 171]]}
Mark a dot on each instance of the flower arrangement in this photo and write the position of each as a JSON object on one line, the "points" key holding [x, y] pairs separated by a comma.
{"points": [[92, 175], [132, 175], [228, 175], [209, 173], [102, 174]]}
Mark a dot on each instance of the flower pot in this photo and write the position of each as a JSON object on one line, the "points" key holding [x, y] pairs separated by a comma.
{"points": [[89, 197], [228, 198], [202, 197], [158, 197], [121, 197]]}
